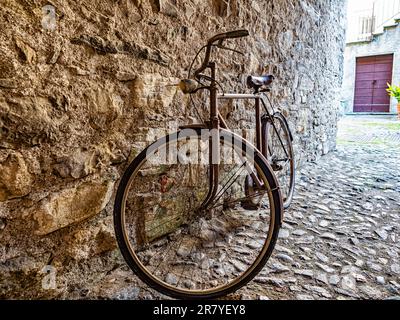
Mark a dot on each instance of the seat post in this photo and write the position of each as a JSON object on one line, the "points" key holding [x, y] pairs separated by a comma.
{"points": [[258, 124]]}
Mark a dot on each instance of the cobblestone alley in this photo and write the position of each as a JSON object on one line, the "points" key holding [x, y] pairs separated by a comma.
{"points": [[340, 239]]}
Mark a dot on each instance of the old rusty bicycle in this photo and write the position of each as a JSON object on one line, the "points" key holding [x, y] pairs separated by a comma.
{"points": [[197, 213]]}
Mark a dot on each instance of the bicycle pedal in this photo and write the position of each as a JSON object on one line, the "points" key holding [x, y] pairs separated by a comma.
{"points": [[276, 167], [249, 206]]}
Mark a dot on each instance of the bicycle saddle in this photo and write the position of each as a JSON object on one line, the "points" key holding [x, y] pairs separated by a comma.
{"points": [[257, 82]]}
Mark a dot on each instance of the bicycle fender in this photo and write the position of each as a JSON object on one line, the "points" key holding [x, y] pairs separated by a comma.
{"points": [[287, 125]]}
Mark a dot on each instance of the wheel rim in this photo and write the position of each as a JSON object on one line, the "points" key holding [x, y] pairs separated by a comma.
{"points": [[282, 164], [207, 261]]}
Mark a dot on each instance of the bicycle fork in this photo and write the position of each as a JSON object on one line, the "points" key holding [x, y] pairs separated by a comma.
{"points": [[214, 151]]}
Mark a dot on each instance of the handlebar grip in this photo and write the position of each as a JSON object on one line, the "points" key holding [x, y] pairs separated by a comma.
{"points": [[237, 34], [228, 35]]}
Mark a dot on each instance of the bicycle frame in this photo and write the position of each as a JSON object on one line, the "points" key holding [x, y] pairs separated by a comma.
{"points": [[160, 212], [216, 121]]}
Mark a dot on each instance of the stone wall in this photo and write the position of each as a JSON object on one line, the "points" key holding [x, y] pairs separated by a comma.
{"points": [[386, 43], [79, 93]]}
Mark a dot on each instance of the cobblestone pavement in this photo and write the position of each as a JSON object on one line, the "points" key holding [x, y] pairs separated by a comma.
{"points": [[340, 239], [366, 130]]}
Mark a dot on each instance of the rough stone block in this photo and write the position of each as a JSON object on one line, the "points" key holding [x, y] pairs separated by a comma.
{"points": [[71, 205], [15, 179]]}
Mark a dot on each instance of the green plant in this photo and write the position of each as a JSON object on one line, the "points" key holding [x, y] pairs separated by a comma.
{"points": [[394, 91]]}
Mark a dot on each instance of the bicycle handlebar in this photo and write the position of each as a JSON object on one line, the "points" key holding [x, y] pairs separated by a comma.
{"points": [[219, 38], [228, 35]]}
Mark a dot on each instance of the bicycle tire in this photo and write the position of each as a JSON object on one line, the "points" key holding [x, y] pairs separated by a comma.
{"points": [[135, 267], [288, 137]]}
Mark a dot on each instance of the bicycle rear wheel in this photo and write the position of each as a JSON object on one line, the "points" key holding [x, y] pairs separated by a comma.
{"points": [[175, 244], [279, 152]]}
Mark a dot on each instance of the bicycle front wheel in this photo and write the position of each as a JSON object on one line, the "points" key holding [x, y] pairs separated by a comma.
{"points": [[182, 245]]}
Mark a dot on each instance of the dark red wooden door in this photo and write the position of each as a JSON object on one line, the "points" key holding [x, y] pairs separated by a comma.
{"points": [[372, 76]]}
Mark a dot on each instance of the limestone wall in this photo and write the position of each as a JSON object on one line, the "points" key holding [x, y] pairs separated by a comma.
{"points": [[79, 93]]}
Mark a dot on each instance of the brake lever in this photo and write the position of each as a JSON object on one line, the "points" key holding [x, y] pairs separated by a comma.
{"points": [[203, 76], [220, 46]]}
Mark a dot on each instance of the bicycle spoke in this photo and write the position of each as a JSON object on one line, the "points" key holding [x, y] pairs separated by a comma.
{"points": [[224, 188], [229, 180], [185, 248], [184, 268], [238, 200], [166, 253]]}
